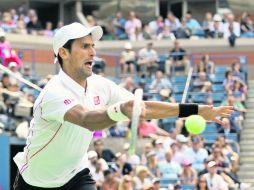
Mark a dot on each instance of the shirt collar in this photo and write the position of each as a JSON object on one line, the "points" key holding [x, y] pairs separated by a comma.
{"points": [[71, 84]]}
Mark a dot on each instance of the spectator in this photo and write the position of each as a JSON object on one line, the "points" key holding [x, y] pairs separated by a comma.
{"points": [[229, 80], [193, 25], [98, 174], [202, 183], [239, 91], [142, 177], [106, 154], [147, 60], [206, 65], [34, 26], [128, 59], [166, 96], [48, 32], [14, 68], [123, 166], [160, 82], [189, 175], [246, 25], [159, 149], [147, 149], [7, 24], [226, 129], [133, 26], [231, 26], [208, 23], [237, 72], [126, 183], [146, 33], [5, 81], [14, 15], [156, 184], [150, 129], [199, 82], [166, 34], [110, 182], [20, 26], [60, 24], [128, 84], [119, 27], [172, 22], [214, 181], [217, 30], [196, 154], [168, 168], [152, 163], [7, 54], [177, 60], [91, 21], [183, 31]]}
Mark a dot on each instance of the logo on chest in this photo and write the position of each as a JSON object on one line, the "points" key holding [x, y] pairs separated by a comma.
{"points": [[96, 100]]}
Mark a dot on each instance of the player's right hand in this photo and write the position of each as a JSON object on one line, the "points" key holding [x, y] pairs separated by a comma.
{"points": [[127, 109]]}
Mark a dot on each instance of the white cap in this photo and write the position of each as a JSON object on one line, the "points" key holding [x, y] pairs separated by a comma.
{"points": [[13, 64], [74, 31], [217, 18], [2, 33], [92, 154], [211, 164], [181, 138]]}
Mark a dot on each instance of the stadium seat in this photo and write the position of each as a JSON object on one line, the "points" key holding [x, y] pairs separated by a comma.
{"points": [[211, 137], [218, 88], [220, 70], [161, 62], [178, 79], [188, 187], [178, 89], [210, 128], [218, 97], [178, 97], [165, 182], [217, 79], [199, 97]]}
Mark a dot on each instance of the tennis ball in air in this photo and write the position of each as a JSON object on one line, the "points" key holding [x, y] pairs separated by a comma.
{"points": [[195, 124]]}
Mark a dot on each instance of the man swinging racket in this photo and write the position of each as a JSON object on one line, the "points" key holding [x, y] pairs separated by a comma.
{"points": [[71, 106]]}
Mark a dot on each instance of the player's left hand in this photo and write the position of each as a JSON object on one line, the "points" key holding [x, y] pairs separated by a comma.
{"points": [[210, 113]]}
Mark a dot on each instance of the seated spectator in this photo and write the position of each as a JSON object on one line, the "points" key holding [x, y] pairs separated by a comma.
{"points": [[7, 24], [119, 27], [60, 24], [166, 96], [239, 91], [237, 72], [207, 24], [202, 183], [207, 88], [13, 66], [124, 167], [168, 168], [177, 60], [20, 26], [231, 27], [34, 26], [229, 80], [193, 25], [146, 33], [142, 178], [246, 25], [110, 181], [7, 54], [172, 22], [98, 174], [133, 26], [206, 65], [147, 59], [183, 31], [217, 29], [150, 129], [128, 59], [5, 81], [226, 129], [166, 34], [128, 84], [199, 82], [48, 32], [126, 183], [91, 21], [214, 181], [152, 163], [196, 153], [189, 175], [160, 82], [106, 154]]}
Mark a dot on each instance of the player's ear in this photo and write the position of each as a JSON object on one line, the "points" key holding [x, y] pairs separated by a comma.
{"points": [[63, 52]]}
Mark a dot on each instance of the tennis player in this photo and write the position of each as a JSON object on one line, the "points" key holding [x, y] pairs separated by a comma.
{"points": [[72, 105]]}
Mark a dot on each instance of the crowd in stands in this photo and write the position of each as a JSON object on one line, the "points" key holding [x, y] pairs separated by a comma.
{"points": [[124, 27]]}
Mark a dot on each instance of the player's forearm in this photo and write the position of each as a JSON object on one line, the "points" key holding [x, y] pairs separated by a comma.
{"points": [[96, 120], [157, 110]]}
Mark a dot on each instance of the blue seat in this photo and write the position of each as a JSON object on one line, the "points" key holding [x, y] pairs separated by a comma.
{"points": [[221, 70], [188, 187], [199, 98], [210, 128], [178, 89], [165, 182], [218, 97], [217, 79], [178, 79], [218, 88], [178, 97]]}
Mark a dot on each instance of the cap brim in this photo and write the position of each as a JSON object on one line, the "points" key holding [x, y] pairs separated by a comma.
{"points": [[96, 32]]}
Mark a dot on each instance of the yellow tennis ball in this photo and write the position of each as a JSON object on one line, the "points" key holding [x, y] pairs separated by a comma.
{"points": [[195, 124]]}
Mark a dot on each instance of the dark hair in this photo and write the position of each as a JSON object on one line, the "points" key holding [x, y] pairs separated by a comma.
{"points": [[67, 46]]}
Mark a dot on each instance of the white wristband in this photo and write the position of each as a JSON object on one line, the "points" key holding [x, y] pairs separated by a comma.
{"points": [[114, 113]]}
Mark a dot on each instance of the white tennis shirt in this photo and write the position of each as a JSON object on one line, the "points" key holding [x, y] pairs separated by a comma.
{"points": [[56, 150]]}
